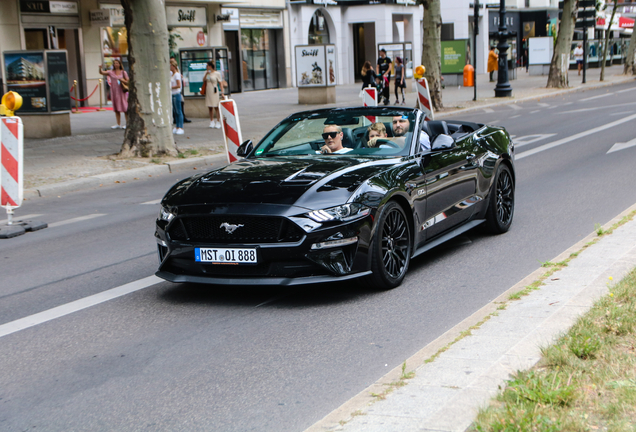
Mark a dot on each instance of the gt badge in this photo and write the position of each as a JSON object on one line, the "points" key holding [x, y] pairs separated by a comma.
{"points": [[230, 228]]}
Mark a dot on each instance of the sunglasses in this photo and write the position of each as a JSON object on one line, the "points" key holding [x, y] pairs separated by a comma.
{"points": [[330, 135]]}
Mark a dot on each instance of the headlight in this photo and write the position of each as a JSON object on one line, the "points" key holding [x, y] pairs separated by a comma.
{"points": [[341, 213], [165, 215]]}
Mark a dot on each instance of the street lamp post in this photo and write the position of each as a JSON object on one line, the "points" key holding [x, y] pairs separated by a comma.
{"points": [[503, 88]]}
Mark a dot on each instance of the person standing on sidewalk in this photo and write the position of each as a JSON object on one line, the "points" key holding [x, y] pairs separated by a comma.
{"points": [[399, 81], [578, 56], [368, 75], [212, 81], [175, 86], [383, 68], [493, 63], [118, 79]]}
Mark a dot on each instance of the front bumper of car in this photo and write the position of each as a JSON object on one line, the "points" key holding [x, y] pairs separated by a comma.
{"points": [[334, 251]]}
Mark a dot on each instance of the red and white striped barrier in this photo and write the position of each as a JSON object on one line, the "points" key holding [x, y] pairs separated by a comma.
{"points": [[424, 99], [370, 98], [11, 138], [231, 128]]}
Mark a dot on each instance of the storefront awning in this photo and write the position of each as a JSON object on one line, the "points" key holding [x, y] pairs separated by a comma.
{"points": [[626, 23]]}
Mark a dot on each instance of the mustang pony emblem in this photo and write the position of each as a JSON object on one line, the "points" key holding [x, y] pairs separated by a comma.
{"points": [[230, 228]]}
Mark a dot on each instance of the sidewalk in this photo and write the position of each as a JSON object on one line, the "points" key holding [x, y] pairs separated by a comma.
{"points": [[55, 165]]}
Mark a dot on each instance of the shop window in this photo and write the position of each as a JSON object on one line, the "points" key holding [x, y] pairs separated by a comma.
{"points": [[260, 65], [318, 29]]}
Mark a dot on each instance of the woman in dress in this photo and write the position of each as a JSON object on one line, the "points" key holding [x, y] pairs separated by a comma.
{"points": [[118, 96], [399, 81], [212, 79]]}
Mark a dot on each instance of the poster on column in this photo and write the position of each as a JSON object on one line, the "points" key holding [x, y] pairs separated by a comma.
{"points": [[331, 65], [310, 65], [25, 75]]}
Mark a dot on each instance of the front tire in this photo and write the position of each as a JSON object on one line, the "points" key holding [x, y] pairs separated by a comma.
{"points": [[391, 248], [501, 206]]}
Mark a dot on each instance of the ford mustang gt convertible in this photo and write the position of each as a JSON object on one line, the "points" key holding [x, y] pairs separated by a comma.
{"points": [[337, 194]]}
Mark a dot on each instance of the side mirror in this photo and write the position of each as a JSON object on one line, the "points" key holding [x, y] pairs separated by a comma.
{"points": [[442, 142], [245, 148]]}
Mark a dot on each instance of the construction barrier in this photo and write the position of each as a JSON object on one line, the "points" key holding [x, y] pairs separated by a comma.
{"points": [[370, 98], [231, 128], [424, 99], [11, 137]]}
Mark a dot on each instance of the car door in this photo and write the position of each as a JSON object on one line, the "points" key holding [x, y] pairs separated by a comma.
{"points": [[451, 185]]}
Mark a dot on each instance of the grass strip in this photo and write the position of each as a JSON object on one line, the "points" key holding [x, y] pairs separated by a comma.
{"points": [[586, 381]]}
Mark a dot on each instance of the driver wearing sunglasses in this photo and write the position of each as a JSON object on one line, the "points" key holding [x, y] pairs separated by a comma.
{"points": [[332, 134]]}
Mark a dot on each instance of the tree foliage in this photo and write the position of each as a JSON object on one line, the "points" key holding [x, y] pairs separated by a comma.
{"points": [[558, 77], [149, 124]]}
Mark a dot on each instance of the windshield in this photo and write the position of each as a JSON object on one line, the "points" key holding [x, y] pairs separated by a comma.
{"points": [[341, 133]]}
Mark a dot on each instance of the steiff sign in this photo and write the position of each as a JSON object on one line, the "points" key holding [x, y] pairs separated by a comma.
{"points": [[186, 16], [315, 65]]}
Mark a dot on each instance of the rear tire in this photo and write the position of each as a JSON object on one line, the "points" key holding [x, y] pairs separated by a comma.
{"points": [[501, 206], [390, 248]]}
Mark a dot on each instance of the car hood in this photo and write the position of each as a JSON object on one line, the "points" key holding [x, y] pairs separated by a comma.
{"points": [[309, 182]]}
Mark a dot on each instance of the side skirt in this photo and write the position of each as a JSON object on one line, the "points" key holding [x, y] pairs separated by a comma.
{"points": [[457, 231]]}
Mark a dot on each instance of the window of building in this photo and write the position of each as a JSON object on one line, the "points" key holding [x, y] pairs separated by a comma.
{"points": [[318, 29], [260, 67]]}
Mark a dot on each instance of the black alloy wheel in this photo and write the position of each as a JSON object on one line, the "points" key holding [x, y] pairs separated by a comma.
{"points": [[501, 207], [391, 248]]}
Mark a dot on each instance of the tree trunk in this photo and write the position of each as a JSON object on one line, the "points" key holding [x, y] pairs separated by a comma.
{"points": [[606, 44], [432, 49], [149, 124], [558, 77], [630, 67]]}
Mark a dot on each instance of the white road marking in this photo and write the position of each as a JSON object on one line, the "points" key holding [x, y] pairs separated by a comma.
{"points": [[542, 104], [77, 305], [622, 146], [519, 115], [568, 103], [574, 137], [597, 108], [17, 217], [621, 113], [529, 139], [534, 112], [626, 90], [515, 107], [77, 219], [152, 202], [489, 110], [596, 97]]}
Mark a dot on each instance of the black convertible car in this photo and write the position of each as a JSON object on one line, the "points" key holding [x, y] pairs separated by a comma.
{"points": [[337, 194]]}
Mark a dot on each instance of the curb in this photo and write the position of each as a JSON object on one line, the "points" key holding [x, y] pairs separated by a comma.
{"points": [[98, 180], [345, 413]]}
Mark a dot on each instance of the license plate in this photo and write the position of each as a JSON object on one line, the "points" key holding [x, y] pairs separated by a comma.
{"points": [[226, 255]]}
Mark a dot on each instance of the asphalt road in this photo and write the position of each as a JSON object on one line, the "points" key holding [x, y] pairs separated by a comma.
{"points": [[186, 357]]}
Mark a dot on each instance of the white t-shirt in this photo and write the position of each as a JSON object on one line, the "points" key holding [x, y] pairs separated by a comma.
{"points": [[176, 77], [578, 53]]}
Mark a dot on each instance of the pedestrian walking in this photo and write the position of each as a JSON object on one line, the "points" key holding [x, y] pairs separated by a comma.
{"points": [[493, 63], [578, 56], [213, 80], [383, 68], [118, 79], [175, 86], [399, 81]]}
